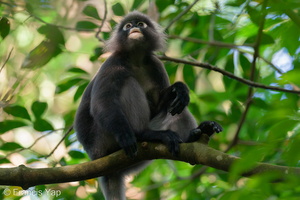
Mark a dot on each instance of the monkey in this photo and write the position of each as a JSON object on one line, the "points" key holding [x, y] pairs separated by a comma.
{"points": [[131, 100]]}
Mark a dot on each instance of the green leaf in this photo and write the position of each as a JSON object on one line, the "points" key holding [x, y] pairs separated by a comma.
{"points": [[137, 3], [77, 70], [290, 77], [265, 39], [41, 54], [8, 125], [86, 25], [76, 154], [4, 160], [29, 8], [17, 111], [80, 91], [189, 74], [97, 52], [52, 33], [291, 154], [91, 11], [289, 34], [245, 65], [10, 146], [67, 84], [71, 138], [31, 160], [63, 162], [38, 108], [69, 118], [4, 27], [254, 14], [42, 125], [118, 9]]}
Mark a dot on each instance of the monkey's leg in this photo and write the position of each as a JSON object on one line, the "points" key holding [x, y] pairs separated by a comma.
{"points": [[112, 187], [185, 125]]}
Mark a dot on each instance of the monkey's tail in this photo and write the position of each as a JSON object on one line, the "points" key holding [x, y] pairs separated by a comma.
{"points": [[112, 186]]}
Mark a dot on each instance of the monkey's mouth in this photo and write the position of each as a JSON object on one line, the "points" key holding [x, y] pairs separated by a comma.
{"points": [[135, 33]]}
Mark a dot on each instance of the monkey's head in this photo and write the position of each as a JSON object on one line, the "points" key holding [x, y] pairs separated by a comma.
{"points": [[136, 32]]}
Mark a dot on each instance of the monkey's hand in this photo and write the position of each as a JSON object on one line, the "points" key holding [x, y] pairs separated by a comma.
{"points": [[206, 127], [167, 137], [172, 140], [181, 100], [128, 143], [175, 98], [210, 127]]}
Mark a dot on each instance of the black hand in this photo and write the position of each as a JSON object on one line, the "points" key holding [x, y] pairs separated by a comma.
{"points": [[128, 143], [172, 140], [181, 100], [194, 135], [210, 127]]}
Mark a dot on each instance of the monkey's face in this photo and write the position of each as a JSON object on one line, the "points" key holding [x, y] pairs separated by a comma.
{"points": [[136, 32]]}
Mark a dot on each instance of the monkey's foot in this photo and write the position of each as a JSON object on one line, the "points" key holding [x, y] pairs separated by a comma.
{"points": [[210, 127]]}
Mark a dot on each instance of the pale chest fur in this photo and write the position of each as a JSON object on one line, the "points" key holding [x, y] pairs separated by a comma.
{"points": [[143, 75]]}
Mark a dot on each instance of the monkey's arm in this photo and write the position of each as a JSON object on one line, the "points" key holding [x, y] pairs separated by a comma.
{"points": [[107, 110]]}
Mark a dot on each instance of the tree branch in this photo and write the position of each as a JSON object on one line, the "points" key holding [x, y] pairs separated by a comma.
{"points": [[226, 45], [193, 153], [61, 140], [228, 74], [212, 43], [102, 23]]}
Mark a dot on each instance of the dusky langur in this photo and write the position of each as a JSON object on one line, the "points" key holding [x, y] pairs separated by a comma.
{"points": [[130, 99]]}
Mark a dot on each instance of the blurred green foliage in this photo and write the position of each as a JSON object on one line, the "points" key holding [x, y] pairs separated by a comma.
{"points": [[49, 53]]}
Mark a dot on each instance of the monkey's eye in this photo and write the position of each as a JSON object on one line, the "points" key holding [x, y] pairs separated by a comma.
{"points": [[141, 24], [127, 26]]}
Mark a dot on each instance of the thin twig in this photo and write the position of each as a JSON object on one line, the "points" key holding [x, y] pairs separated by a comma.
{"points": [[228, 74], [181, 14], [29, 147], [226, 45], [102, 23], [212, 43], [252, 77], [6, 59], [62, 139], [241, 122]]}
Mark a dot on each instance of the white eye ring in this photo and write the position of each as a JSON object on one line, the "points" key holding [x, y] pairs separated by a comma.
{"points": [[127, 26], [141, 24]]}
